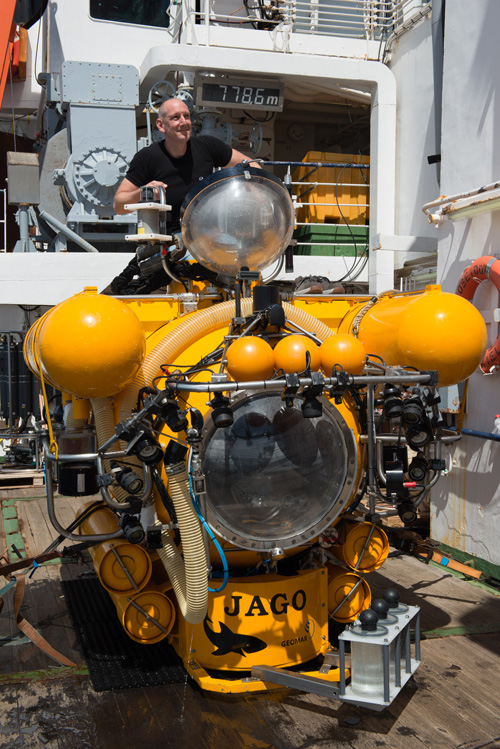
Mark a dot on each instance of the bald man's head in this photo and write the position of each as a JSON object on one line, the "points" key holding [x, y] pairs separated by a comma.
{"points": [[174, 121]]}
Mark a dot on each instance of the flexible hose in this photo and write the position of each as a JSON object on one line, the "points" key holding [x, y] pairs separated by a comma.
{"points": [[69, 420], [196, 326], [189, 575], [105, 428]]}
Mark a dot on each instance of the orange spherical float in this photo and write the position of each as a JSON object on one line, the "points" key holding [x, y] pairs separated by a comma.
{"points": [[342, 350], [444, 332], [250, 358], [290, 354], [91, 345]]}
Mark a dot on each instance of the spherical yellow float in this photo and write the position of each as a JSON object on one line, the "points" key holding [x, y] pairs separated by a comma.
{"points": [[344, 350], [443, 332], [250, 358], [91, 345], [290, 354]]}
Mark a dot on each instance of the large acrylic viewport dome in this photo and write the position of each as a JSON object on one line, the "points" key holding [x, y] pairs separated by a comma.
{"points": [[238, 217]]}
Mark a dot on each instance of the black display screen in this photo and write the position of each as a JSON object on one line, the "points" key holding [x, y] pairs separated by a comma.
{"points": [[241, 94]]}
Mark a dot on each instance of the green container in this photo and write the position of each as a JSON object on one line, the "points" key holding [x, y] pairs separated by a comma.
{"points": [[339, 238]]}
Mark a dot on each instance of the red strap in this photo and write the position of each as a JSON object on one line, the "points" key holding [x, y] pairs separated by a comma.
{"points": [[30, 632]]}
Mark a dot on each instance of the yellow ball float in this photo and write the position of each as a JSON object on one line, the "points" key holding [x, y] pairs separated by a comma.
{"points": [[250, 358], [91, 345], [342, 350], [290, 354], [444, 332]]}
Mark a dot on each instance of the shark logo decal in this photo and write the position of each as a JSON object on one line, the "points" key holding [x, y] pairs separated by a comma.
{"points": [[227, 641]]}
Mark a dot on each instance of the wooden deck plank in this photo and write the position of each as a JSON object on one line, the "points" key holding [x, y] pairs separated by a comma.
{"points": [[35, 526], [470, 669], [444, 600]]}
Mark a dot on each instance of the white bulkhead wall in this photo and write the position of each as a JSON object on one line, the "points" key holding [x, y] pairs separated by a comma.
{"points": [[411, 61], [466, 503]]}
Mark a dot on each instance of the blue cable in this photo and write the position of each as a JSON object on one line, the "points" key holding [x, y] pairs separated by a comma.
{"points": [[212, 538], [256, 569]]}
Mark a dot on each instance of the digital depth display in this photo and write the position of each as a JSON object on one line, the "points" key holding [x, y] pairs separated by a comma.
{"points": [[241, 94]]}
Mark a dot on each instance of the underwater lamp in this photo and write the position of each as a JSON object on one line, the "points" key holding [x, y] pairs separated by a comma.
{"points": [[148, 449], [127, 479], [274, 478], [419, 467], [413, 411], [238, 217]]}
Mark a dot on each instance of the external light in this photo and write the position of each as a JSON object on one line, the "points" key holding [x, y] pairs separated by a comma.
{"points": [[413, 411], [129, 481], [175, 418], [132, 529], [222, 415], [407, 512], [312, 408], [148, 450], [419, 468], [418, 436], [393, 403]]}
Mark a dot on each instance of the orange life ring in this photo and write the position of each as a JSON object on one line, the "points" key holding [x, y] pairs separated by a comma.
{"points": [[486, 268]]}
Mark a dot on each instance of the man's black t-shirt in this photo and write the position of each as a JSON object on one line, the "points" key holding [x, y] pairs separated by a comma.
{"points": [[154, 163]]}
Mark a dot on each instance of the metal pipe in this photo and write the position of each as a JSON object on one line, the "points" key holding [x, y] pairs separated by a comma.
{"points": [[397, 661], [125, 570], [71, 458], [385, 658], [365, 546], [407, 649], [319, 164], [9, 379], [427, 207], [387, 513], [49, 487], [302, 330], [56, 224], [380, 467], [24, 236], [417, 636], [342, 666], [481, 435], [370, 428], [148, 616], [278, 384], [346, 597]]}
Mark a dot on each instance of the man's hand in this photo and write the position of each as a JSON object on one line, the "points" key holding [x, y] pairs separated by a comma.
{"points": [[237, 157], [156, 184], [130, 193]]}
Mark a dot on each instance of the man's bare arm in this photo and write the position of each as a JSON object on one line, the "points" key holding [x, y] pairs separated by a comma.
{"points": [[237, 157]]}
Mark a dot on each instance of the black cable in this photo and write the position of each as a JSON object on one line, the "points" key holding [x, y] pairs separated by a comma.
{"points": [[358, 499], [268, 117], [94, 507], [164, 495]]}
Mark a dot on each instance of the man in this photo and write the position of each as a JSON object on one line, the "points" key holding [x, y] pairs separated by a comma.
{"points": [[176, 164]]}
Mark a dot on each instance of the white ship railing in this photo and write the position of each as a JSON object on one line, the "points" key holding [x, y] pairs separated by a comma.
{"points": [[328, 200], [373, 20]]}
